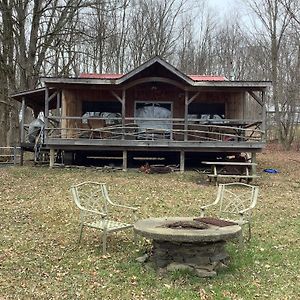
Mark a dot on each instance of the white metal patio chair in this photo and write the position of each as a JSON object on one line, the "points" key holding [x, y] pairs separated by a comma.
{"points": [[98, 211], [236, 202]]}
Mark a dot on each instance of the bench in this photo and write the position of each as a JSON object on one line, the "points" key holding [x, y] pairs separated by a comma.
{"points": [[248, 167]]}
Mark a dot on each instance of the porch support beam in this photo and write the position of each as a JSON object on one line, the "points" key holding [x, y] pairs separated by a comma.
{"points": [[52, 96], [256, 98], [123, 112], [46, 113], [22, 120], [58, 100], [22, 129], [186, 106], [117, 96], [263, 125], [193, 98]]}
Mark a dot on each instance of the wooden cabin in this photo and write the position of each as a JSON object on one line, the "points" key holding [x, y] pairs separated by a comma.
{"points": [[153, 111]]}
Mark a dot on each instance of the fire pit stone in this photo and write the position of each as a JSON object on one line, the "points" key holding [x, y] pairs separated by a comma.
{"points": [[185, 243]]}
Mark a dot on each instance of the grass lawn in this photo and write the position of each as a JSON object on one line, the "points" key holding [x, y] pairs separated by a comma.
{"points": [[40, 258]]}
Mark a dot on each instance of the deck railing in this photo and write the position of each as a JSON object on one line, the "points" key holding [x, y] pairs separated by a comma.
{"points": [[10, 155], [145, 129]]}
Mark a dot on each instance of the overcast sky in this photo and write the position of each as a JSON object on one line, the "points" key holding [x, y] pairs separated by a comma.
{"points": [[221, 5], [231, 8]]}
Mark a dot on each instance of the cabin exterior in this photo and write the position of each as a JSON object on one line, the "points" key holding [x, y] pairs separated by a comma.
{"points": [[154, 110]]}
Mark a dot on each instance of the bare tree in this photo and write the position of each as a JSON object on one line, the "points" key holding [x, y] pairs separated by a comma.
{"points": [[29, 29], [154, 29], [275, 20]]}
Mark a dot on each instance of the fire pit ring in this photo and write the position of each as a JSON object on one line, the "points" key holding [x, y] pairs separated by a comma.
{"points": [[201, 250]]}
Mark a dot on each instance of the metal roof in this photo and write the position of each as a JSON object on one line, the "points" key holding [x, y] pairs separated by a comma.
{"points": [[156, 63], [154, 70]]}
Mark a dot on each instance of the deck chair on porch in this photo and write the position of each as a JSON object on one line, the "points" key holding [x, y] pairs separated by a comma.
{"points": [[98, 211], [235, 203]]}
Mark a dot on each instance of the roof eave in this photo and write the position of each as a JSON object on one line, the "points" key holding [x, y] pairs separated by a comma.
{"points": [[83, 81], [151, 62], [234, 84]]}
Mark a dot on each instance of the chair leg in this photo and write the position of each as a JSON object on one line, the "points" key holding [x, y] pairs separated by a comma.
{"points": [[80, 234], [249, 232], [135, 238], [241, 240], [104, 239]]}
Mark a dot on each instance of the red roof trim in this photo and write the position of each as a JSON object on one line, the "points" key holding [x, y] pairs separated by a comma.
{"points": [[207, 78]]}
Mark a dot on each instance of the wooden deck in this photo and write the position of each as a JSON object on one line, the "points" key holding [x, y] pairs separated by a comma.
{"points": [[194, 136]]}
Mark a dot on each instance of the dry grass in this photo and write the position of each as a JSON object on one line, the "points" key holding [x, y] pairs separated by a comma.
{"points": [[39, 257]]}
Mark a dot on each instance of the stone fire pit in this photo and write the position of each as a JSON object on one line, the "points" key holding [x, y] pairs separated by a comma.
{"points": [[187, 243]]}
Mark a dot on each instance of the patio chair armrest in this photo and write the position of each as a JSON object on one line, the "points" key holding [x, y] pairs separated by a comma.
{"points": [[94, 212], [245, 210], [203, 207]]}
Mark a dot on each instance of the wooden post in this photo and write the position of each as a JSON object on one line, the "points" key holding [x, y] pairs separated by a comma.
{"points": [[21, 156], [22, 120], [124, 160], [46, 114], [123, 113], [186, 99], [15, 155], [253, 160], [52, 152], [58, 100], [182, 161], [263, 125], [22, 131], [187, 102]]}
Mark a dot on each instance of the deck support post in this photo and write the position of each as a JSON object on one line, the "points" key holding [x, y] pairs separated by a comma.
{"points": [[124, 160], [21, 156], [182, 160], [253, 160], [52, 152], [15, 155]]}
